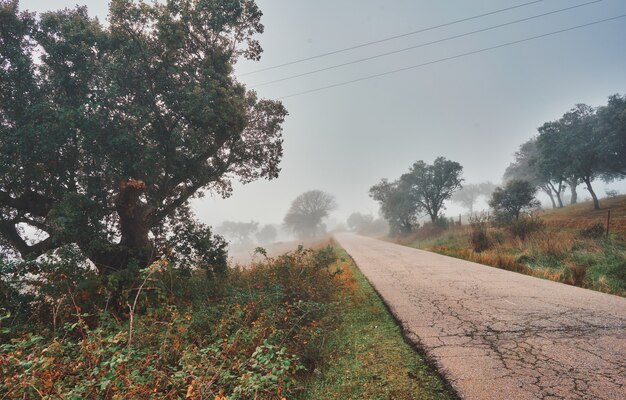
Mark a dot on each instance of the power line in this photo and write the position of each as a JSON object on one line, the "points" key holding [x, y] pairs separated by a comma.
{"points": [[423, 44], [391, 38], [453, 57]]}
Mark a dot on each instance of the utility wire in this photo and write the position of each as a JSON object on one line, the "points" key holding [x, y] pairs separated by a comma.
{"points": [[423, 44], [392, 37], [454, 57]]}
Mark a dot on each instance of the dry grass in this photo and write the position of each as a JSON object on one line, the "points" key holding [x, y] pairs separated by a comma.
{"points": [[560, 251], [582, 215]]}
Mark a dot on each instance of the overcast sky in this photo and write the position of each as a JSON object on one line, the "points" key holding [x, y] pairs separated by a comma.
{"points": [[476, 109]]}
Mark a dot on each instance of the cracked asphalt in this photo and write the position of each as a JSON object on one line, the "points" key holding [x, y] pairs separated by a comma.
{"points": [[495, 334]]}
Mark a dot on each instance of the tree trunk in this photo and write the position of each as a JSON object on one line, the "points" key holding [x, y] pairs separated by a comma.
{"points": [[549, 193], [572, 184], [557, 193], [596, 203], [135, 246]]}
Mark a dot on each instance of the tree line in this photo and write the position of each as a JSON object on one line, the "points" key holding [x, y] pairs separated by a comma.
{"points": [[584, 145]]}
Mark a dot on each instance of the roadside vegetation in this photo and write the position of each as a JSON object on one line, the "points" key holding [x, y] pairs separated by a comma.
{"points": [[566, 245], [365, 357], [300, 324]]}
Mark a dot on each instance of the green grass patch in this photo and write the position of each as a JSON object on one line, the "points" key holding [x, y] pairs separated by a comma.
{"points": [[366, 356]]}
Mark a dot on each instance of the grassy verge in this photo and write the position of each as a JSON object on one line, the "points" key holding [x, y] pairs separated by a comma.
{"points": [[366, 356]]}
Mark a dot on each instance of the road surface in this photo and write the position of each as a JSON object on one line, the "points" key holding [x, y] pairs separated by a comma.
{"points": [[496, 334]]}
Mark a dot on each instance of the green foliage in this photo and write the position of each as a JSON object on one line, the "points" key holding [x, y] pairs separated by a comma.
{"points": [[108, 130], [250, 338], [424, 188], [582, 145], [397, 206], [508, 202], [432, 185], [611, 127]]}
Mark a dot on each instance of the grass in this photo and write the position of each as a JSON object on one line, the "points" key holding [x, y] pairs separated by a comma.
{"points": [[366, 356], [561, 251]]}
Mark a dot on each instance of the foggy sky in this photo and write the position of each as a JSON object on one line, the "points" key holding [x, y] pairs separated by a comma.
{"points": [[476, 110]]}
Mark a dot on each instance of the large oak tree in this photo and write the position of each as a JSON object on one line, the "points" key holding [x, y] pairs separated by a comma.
{"points": [[107, 131]]}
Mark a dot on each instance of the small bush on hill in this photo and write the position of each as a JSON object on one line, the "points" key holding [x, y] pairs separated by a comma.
{"points": [[525, 226], [479, 238], [595, 231]]}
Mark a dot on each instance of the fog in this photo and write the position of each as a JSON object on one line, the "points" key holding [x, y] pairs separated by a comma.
{"points": [[475, 109]]}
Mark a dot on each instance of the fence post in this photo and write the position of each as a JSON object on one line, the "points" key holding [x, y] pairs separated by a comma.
{"points": [[608, 223]]}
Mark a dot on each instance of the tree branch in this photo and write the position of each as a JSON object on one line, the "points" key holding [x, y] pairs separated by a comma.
{"points": [[10, 233]]}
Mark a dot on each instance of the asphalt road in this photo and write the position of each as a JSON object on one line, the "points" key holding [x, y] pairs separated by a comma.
{"points": [[496, 334]]}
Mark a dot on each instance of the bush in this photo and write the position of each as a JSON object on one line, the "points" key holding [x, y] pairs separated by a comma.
{"points": [[525, 226], [595, 231], [250, 339], [479, 238]]}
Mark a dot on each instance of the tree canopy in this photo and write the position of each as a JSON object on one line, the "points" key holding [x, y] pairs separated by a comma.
{"points": [[423, 189], [516, 196], [307, 212], [106, 132], [397, 206], [432, 185], [585, 144]]}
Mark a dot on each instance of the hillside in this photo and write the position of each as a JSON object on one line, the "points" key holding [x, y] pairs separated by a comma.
{"points": [[569, 246], [582, 215]]}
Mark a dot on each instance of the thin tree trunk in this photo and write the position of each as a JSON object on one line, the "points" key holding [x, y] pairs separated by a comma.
{"points": [[549, 193], [596, 203], [557, 193], [572, 186]]}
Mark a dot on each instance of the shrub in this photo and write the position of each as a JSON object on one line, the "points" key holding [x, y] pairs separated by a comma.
{"points": [[575, 274], [479, 238], [595, 231], [525, 226], [250, 339]]}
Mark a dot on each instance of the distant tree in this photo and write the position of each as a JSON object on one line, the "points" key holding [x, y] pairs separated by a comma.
{"points": [[267, 234], [582, 146], [550, 161], [359, 222], [238, 231], [611, 129], [397, 205], [431, 185], [469, 194], [524, 168], [107, 131], [516, 196], [307, 212]]}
